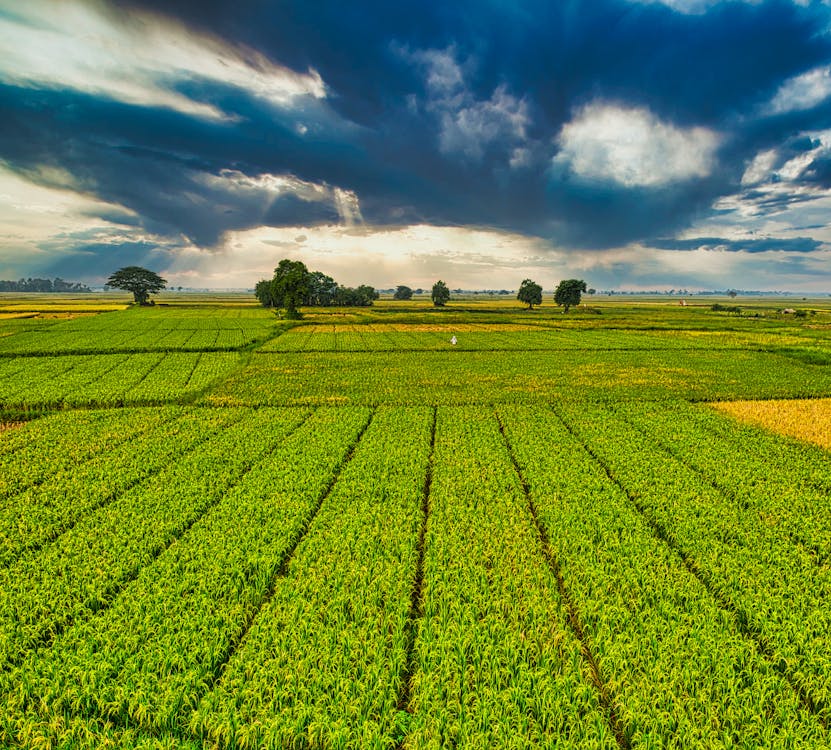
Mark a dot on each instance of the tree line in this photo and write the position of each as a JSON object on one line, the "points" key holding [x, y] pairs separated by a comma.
{"points": [[43, 285], [294, 286]]}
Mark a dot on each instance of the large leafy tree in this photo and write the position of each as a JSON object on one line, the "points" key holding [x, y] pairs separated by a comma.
{"points": [[403, 292], [290, 286], [568, 292], [440, 294], [530, 293], [141, 282]]}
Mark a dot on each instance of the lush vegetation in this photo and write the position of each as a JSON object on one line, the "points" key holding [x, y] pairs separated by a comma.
{"points": [[223, 530]]}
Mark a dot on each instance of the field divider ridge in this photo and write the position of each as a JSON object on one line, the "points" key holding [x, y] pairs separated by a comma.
{"points": [[43, 631], [416, 600], [289, 553], [606, 698], [745, 627]]}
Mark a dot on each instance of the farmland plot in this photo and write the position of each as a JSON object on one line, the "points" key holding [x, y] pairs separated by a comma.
{"points": [[109, 379], [354, 539]]}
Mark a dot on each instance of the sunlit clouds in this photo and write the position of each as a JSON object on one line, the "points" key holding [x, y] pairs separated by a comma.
{"points": [[639, 144], [633, 148], [139, 59]]}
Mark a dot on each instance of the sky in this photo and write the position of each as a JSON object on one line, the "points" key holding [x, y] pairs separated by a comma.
{"points": [[636, 144]]}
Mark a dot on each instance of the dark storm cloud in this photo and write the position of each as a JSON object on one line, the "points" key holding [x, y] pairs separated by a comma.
{"points": [[98, 259], [415, 147], [794, 245]]}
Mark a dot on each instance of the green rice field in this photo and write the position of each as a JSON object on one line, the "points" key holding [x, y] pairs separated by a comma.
{"points": [[221, 529]]}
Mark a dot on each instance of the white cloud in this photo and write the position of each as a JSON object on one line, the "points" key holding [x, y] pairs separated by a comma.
{"points": [[802, 92], [631, 147], [760, 168], [467, 125], [38, 223], [348, 207], [697, 7], [140, 59], [266, 187]]}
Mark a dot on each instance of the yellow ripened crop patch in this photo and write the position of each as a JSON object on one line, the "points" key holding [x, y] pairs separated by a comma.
{"points": [[804, 419]]}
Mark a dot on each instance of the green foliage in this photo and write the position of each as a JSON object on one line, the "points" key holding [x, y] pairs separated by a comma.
{"points": [[162, 330], [760, 572], [362, 296], [718, 307], [293, 285], [530, 293], [634, 589], [322, 290], [496, 640], [290, 286], [568, 293], [440, 294], [403, 293], [339, 571], [110, 379], [140, 281]]}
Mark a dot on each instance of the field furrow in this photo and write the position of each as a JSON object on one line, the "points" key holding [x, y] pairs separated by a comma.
{"points": [[776, 590], [323, 663], [497, 664], [83, 570], [150, 656], [764, 474], [40, 514], [679, 670]]}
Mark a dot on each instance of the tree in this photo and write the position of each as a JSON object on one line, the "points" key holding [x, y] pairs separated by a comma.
{"points": [[530, 293], [440, 294], [263, 292], [290, 286], [568, 292], [362, 296], [322, 290], [141, 282], [403, 292]]}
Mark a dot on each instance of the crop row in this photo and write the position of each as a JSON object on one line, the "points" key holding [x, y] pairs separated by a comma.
{"points": [[496, 663], [803, 419], [324, 663], [45, 447], [679, 671], [445, 378], [127, 662], [482, 337], [536, 577], [777, 591], [42, 512], [786, 485], [108, 379], [85, 568], [145, 330], [170, 318], [69, 342]]}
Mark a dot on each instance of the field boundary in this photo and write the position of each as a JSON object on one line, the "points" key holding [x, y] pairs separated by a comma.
{"points": [[818, 710], [416, 612], [606, 698]]}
